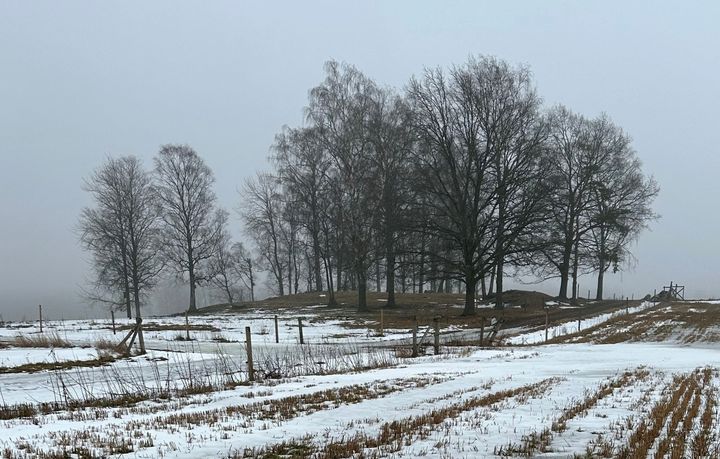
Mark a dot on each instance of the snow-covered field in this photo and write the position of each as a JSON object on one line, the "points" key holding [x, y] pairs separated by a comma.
{"points": [[349, 393]]}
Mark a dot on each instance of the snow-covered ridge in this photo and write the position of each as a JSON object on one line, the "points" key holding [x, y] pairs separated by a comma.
{"points": [[565, 328]]}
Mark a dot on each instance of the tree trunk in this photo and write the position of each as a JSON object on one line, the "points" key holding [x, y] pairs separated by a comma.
{"points": [[470, 285], [316, 261], [565, 271], [600, 280], [601, 271], [492, 281], [390, 278], [564, 276], [127, 301], [329, 278], [362, 291], [575, 272], [499, 285], [377, 276], [421, 271], [191, 270], [138, 316], [500, 236], [483, 287]]}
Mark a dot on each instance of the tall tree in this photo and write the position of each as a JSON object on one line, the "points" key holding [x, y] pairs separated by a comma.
{"points": [[621, 205], [340, 109], [193, 225], [457, 182], [392, 139], [125, 223], [103, 232], [512, 132], [226, 267], [303, 169], [262, 211]]}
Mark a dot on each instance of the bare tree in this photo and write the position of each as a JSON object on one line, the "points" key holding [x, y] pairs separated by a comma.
{"points": [[226, 269], [262, 210], [303, 170], [457, 183], [122, 230], [193, 226], [512, 132], [392, 138], [620, 207], [245, 267], [340, 109]]}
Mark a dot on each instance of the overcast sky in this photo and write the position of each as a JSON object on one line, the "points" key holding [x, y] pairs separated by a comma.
{"points": [[83, 80]]}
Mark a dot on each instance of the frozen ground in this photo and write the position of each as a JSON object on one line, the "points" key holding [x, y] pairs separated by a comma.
{"points": [[344, 395]]}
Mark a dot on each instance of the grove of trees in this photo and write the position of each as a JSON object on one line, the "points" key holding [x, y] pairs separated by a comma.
{"points": [[456, 182]]}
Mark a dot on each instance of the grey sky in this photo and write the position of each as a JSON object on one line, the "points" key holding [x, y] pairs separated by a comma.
{"points": [[81, 80]]}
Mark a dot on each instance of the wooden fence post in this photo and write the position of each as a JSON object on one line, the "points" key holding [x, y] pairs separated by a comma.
{"points": [[112, 317], [277, 331], [302, 340], [248, 345], [141, 339], [436, 342], [414, 342], [40, 309]]}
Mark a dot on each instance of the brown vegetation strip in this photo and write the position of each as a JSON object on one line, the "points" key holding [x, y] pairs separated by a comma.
{"points": [[286, 408], [701, 442], [667, 413], [688, 323], [394, 435], [64, 365], [43, 341], [539, 441]]}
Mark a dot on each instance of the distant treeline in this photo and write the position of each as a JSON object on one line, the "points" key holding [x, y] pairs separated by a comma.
{"points": [[463, 178]]}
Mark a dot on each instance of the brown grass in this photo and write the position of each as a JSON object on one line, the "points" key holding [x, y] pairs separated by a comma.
{"points": [[45, 340], [685, 322], [64, 365], [395, 434], [540, 440], [670, 420]]}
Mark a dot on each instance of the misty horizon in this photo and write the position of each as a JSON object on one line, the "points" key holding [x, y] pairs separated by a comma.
{"points": [[87, 82]]}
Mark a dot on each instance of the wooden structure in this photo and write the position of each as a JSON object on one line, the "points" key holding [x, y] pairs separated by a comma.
{"points": [[673, 291], [135, 332]]}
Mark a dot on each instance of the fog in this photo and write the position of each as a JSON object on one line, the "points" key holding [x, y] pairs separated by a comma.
{"points": [[83, 80]]}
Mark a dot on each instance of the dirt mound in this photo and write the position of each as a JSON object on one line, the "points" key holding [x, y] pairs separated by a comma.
{"points": [[525, 298]]}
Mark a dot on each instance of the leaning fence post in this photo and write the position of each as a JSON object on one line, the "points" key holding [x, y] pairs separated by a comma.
{"points": [[141, 339], [547, 321], [40, 309], [248, 346], [414, 342], [112, 317], [302, 340], [277, 331], [436, 343]]}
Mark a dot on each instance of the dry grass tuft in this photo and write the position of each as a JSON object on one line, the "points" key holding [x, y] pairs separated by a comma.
{"points": [[45, 340]]}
